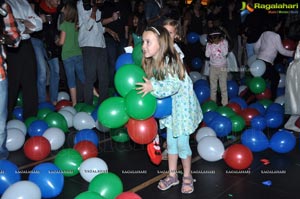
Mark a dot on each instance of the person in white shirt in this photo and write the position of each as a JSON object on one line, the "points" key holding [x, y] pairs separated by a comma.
{"points": [[22, 72]]}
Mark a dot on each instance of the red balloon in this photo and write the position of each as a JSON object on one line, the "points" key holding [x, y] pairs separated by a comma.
{"points": [[128, 195], [87, 149], [37, 148], [297, 123], [62, 103], [238, 156], [142, 131], [267, 94], [248, 114], [235, 107], [289, 44]]}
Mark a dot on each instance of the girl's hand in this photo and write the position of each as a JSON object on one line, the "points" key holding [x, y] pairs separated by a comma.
{"points": [[144, 88]]}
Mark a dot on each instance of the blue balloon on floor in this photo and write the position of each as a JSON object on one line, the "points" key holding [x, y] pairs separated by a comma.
{"points": [[46, 105], [49, 178], [202, 93], [209, 116], [283, 141], [274, 120], [275, 108], [37, 128], [239, 101], [123, 59], [232, 89], [86, 134], [197, 63], [192, 37], [258, 106], [163, 108], [18, 113], [255, 140], [201, 82], [258, 122], [221, 125], [8, 175], [280, 91]]}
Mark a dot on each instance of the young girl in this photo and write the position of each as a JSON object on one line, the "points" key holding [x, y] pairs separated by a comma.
{"points": [[216, 51], [166, 76], [71, 52]]}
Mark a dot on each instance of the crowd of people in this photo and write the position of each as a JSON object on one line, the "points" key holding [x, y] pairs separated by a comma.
{"points": [[82, 40]]}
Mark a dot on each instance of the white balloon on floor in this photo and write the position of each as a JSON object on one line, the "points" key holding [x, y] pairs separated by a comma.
{"points": [[62, 95], [83, 120], [70, 109], [55, 136], [23, 190], [15, 139], [211, 148], [68, 116], [91, 167], [258, 68], [281, 83], [280, 100], [14, 123], [203, 132]]}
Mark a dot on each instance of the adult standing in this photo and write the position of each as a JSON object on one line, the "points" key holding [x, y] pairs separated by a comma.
{"points": [[92, 42], [155, 12], [22, 71], [9, 36]]}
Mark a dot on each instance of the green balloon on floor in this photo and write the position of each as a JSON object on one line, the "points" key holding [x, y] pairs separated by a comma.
{"points": [[55, 119], [119, 135], [68, 161], [89, 195]]}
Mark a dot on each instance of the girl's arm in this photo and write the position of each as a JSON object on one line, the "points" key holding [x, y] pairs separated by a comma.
{"points": [[207, 50], [61, 40]]}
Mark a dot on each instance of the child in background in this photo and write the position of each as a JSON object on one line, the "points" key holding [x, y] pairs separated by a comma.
{"points": [[136, 29], [172, 27], [217, 50], [71, 52], [166, 76]]}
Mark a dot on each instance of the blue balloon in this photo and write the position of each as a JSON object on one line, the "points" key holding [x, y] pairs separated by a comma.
{"points": [[258, 122], [163, 108], [209, 116], [37, 128], [221, 125], [258, 106], [282, 141], [280, 68], [274, 120], [192, 37], [197, 63], [49, 178], [201, 82], [46, 105], [18, 113], [8, 175], [123, 59], [202, 93], [86, 134], [94, 114], [239, 101], [255, 140], [232, 89], [275, 108], [280, 91]]}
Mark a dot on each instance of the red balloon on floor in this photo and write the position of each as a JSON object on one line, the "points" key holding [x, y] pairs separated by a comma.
{"points": [[142, 131], [87, 149], [248, 114], [128, 195], [267, 94], [234, 106], [62, 103], [238, 156], [37, 148]]}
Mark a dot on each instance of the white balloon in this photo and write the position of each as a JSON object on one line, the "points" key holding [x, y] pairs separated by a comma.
{"points": [[203, 132], [211, 148], [195, 76], [83, 120], [22, 190], [280, 100], [91, 167], [101, 128], [281, 83], [203, 39], [55, 136], [17, 124], [258, 68], [62, 95], [251, 60], [242, 88], [68, 116], [15, 139], [70, 109]]}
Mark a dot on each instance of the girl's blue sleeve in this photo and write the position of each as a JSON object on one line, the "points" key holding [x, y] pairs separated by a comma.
{"points": [[165, 88]]}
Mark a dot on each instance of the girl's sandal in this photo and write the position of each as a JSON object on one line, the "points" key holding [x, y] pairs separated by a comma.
{"points": [[187, 182], [167, 182]]}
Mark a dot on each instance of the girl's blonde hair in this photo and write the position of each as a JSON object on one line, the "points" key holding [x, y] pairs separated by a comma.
{"points": [[174, 23], [70, 13], [168, 60]]}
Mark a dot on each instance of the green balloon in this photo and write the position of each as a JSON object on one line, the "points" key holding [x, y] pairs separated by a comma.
{"points": [[68, 161], [79, 106], [29, 120], [119, 135], [108, 185], [89, 195], [88, 109], [137, 54], [209, 106], [42, 113], [238, 123], [20, 99], [111, 113], [55, 119], [138, 107], [257, 85], [225, 111], [126, 78], [265, 102], [95, 100]]}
